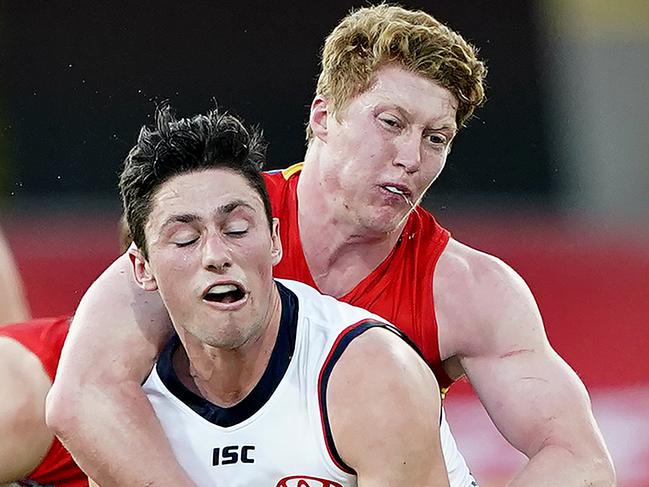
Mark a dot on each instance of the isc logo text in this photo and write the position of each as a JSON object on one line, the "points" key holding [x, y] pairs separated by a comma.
{"points": [[229, 455]]}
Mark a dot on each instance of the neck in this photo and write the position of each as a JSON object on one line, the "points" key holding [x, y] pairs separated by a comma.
{"points": [[350, 251], [226, 376]]}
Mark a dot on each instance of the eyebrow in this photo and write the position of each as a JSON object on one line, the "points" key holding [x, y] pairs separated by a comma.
{"points": [[409, 115], [452, 128], [230, 207], [222, 210], [182, 218]]}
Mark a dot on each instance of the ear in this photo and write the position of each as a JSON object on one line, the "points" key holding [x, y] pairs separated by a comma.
{"points": [[318, 117], [276, 243], [141, 270]]}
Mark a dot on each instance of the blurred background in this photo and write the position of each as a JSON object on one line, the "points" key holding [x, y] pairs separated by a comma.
{"points": [[552, 175]]}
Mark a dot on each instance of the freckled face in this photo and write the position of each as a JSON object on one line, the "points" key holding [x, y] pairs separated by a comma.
{"points": [[395, 135], [211, 255]]}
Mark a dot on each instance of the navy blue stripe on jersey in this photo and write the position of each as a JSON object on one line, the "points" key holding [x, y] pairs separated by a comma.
{"points": [[341, 344], [261, 393]]}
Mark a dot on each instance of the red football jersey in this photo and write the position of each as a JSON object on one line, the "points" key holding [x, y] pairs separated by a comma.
{"points": [[400, 289], [44, 338]]}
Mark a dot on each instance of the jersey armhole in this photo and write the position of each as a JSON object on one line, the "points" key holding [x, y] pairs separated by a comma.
{"points": [[340, 345]]}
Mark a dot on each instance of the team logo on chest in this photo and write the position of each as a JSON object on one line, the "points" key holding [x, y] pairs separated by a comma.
{"points": [[306, 481]]}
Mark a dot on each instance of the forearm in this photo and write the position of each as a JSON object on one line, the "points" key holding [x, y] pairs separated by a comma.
{"points": [[13, 303], [96, 405], [116, 438], [554, 465]]}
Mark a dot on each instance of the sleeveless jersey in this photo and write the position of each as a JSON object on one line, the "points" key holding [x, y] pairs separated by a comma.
{"points": [[278, 435], [44, 338], [400, 289]]}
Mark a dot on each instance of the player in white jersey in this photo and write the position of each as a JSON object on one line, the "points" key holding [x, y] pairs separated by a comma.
{"points": [[281, 429], [267, 383]]}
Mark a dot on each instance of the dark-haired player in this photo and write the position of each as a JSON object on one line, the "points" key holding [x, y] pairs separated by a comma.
{"points": [[266, 380]]}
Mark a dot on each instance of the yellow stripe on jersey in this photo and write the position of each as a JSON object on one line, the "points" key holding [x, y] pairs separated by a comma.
{"points": [[289, 171]]}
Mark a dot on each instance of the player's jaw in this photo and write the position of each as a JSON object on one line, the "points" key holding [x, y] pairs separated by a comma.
{"points": [[379, 212], [233, 308], [230, 313]]}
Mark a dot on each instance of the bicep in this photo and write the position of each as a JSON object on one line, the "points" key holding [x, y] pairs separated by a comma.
{"points": [[533, 397], [117, 331], [25, 439]]}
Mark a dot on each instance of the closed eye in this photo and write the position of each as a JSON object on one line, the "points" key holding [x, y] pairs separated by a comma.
{"points": [[236, 227], [186, 243]]}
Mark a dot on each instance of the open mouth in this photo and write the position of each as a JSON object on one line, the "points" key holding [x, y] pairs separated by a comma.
{"points": [[398, 190], [224, 293]]}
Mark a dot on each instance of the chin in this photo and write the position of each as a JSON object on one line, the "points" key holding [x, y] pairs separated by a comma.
{"points": [[231, 342], [226, 337], [383, 222]]}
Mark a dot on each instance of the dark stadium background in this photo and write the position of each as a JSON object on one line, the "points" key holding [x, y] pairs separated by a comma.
{"points": [[550, 175]]}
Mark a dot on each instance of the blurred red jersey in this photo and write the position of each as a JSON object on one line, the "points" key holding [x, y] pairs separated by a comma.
{"points": [[400, 289], [44, 338]]}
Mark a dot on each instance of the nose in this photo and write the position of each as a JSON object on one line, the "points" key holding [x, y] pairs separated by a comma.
{"points": [[409, 152], [216, 256]]}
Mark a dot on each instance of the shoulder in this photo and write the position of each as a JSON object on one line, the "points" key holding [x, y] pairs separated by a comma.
{"points": [[461, 265], [379, 356], [480, 300], [380, 391]]}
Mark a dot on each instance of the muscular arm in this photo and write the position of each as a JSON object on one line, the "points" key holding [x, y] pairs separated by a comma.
{"points": [[384, 410], [533, 397], [24, 438], [96, 406], [13, 304]]}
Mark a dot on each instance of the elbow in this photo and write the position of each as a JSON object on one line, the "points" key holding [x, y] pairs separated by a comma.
{"points": [[599, 464], [595, 469], [604, 472]]}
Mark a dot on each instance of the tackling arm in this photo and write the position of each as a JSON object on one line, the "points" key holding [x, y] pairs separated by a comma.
{"points": [[96, 405], [384, 409], [533, 397]]}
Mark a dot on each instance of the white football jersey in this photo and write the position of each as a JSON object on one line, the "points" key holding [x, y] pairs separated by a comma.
{"points": [[279, 435]]}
